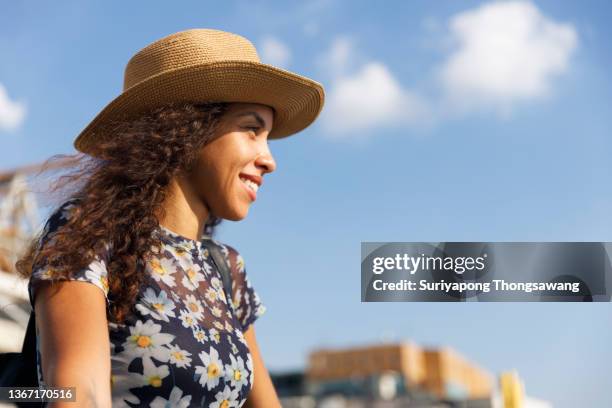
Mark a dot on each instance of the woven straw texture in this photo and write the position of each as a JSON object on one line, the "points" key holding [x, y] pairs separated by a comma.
{"points": [[201, 65]]}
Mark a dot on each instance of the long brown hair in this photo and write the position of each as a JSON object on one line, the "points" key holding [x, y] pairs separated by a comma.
{"points": [[119, 196]]}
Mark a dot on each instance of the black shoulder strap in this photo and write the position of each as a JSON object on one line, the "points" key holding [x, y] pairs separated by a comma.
{"points": [[19, 369], [222, 266], [29, 341], [28, 353]]}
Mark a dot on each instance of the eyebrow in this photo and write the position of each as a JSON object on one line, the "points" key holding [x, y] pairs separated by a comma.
{"points": [[256, 115]]}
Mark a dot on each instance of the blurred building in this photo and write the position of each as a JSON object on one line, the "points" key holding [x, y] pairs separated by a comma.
{"points": [[441, 373], [19, 221], [14, 311], [18, 218], [397, 375]]}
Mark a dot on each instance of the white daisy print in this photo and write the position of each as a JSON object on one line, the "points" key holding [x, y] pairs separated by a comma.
{"points": [[162, 269], [194, 306], [216, 283], [200, 335], [122, 380], [211, 295], [187, 319], [176, 400], [206, 267], [155, 249], [215, 335], [240, 263], [233, 346], [226, 398], [43, 273], [236, 372], [181, 251], [221, 294], [193, 277], [224, 249], [181, 331], [249, 364], [240, 336], [178, 357], [205, 253], [97, 273], [212, 370], [261, 309], [216, 312], [147, 341], [158, 306], [153, 375], [247, 299], [236, 300], [228, 327]]}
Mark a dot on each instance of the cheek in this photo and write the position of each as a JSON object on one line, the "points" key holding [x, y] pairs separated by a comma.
{"points": [[215, 176], [214, 184], [202, 178]]}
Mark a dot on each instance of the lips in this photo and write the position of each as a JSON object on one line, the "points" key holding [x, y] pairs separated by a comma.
{"points": [[250, 186], [255, 179]]}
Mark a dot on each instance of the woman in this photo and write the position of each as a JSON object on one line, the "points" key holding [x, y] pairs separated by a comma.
{"points": [[136, 314]]}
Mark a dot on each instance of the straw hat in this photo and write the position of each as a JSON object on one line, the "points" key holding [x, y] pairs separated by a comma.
{"points": [[201, 65]]}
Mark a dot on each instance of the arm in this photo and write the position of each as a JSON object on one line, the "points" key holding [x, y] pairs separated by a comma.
{"points": [[74, 341], [263, 394]]}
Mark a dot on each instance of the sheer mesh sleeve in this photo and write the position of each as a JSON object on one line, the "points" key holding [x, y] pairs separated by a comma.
{"points": [[95, 273], [246, 302]]}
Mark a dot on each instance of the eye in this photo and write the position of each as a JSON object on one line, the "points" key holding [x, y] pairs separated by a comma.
{"points": [[254, 129]]}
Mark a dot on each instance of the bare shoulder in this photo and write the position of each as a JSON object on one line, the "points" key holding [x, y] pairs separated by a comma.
{"points": [[73, 333], [69, 312], [67, 302]]}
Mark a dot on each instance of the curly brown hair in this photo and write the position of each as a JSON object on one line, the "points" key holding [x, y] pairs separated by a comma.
{"points": [[119, 196]]}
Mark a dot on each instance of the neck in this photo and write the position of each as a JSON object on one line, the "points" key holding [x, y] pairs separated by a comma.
{"points": [[186, 213]]}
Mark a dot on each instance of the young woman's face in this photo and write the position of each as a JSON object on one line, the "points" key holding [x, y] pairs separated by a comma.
{"points": [[239, 152]]}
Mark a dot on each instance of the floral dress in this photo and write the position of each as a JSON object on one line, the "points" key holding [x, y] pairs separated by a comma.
{"points": [[184, 345]]}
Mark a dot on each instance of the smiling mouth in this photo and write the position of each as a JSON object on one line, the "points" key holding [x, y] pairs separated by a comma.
{"points": [[251, 187]]}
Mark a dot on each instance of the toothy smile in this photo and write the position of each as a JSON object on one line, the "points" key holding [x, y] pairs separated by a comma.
{"points": [[250, 184]]}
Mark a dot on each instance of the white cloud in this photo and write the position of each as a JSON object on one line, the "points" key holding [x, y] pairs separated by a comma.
{"points": [[507, 52], [340, 55], [274, 52], [12, 113], [499, 54], [372, 97]]}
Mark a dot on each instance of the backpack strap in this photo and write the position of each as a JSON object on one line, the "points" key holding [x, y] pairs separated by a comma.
{"points": [[29, 341], [19, 369], [219, 261]]}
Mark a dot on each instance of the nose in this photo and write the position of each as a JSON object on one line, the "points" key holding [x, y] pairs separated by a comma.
{"points": [[265, 161]]}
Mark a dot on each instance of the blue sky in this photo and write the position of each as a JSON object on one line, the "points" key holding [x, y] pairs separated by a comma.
{"points": [[431, 131]]}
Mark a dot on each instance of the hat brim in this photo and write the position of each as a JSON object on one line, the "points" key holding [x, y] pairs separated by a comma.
{"points": [[297, 100]]}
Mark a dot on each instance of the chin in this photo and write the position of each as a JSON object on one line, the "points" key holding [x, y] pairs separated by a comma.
{"points": [[236, 218], [235, 214]]}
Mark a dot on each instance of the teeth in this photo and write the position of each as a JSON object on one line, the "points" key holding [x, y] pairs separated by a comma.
{"points": [[253, 186]]}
